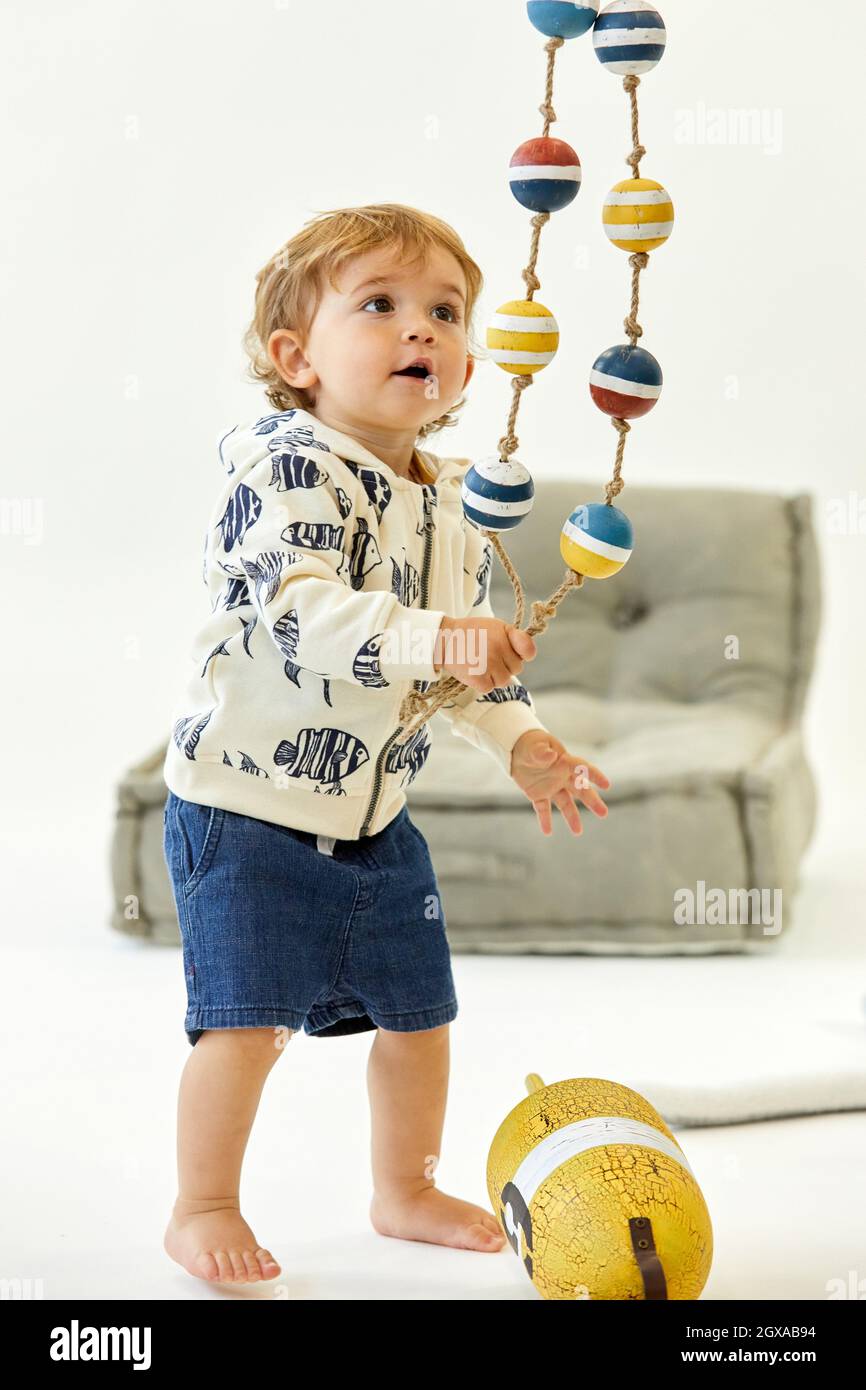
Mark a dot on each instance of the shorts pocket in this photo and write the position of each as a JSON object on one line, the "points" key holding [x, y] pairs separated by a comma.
{"points": [[199, 832]]}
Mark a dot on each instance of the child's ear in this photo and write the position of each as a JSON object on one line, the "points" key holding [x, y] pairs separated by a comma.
{"points": [[284, 350], [470, 368]]}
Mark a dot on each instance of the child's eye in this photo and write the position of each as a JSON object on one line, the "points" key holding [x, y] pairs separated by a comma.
{"points": [[383, 299]]}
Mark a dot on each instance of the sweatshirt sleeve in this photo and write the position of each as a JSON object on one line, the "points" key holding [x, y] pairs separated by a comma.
{"points": [[292, 535], [494, 722]]}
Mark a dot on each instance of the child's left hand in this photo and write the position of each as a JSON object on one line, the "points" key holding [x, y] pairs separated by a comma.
{"points": [[544, 770]]}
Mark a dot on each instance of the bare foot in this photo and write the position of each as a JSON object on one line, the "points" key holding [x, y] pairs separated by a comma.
{"points": [[433, 1216], [215, 1243]]}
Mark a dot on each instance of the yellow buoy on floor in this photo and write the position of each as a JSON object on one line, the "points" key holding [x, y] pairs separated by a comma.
{"points": [[596, 1196]]}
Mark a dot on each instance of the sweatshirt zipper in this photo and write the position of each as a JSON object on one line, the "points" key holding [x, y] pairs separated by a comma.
{"points": [[416, 685]]}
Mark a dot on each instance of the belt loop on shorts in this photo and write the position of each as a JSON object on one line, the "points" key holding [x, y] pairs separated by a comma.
{"points": [[325, 844]]}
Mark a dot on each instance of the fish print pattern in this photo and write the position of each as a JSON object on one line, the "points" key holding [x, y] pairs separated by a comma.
{"points": [[515, 691], [326, 756], [234, 595], [344, 503], [242, 512], [377, 487], [266, 571], [250, 766], [226, 463], [366, 667], [406, 584], [219, 650], [314, 535], [298, 437], [286, 634], [365, 554], [187, 731], [294, 470], [409, 757]]}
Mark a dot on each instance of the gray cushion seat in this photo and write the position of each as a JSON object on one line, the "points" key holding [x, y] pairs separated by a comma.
{"points": [[683, 677]]}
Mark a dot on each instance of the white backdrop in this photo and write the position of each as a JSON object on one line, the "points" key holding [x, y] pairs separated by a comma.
{"points": [[155, 154]]}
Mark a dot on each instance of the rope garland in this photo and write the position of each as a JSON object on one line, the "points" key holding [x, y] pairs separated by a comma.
{"points": [[418, 707]]}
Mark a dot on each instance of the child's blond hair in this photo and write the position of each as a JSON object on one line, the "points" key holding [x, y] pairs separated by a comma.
{"points": [[289, 286]]}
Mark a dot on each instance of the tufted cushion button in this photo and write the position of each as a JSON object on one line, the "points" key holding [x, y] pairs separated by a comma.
{"points": [[628, 612]]}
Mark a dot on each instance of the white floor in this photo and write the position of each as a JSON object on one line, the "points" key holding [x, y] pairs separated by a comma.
{"points": [[94, 1046]]}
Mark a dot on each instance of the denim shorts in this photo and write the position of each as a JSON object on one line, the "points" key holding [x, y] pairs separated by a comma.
{"points": [[282, 927]]}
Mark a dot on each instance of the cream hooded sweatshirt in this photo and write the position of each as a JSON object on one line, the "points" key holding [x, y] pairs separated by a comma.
{"points": [[329, 575]]}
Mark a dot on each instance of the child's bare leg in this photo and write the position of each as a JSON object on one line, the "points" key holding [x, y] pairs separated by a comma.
{"points": [[220, 1090], [407, 1081]]}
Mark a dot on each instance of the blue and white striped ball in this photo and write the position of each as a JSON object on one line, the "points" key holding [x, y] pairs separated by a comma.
{"points": [[544, 173], [562, 19], [629, 37], [596, 540], [496, 495], [625, 381]]}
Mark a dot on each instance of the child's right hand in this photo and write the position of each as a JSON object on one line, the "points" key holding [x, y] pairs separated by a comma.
{"points": [[482, 652]]}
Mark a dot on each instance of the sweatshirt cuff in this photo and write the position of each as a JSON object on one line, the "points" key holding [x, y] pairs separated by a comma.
{"points": [[407, 646], [496, 730]]}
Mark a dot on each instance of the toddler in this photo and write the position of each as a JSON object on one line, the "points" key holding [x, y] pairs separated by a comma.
{"points": [[342, 573]]}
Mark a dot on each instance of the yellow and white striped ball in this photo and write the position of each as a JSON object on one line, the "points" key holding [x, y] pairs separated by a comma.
{"points": [[522, 336], [596, 540], [638, 214], [579, 1174]]}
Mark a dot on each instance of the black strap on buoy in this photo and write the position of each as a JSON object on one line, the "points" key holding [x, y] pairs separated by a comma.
{"points": [[649, 1264]]}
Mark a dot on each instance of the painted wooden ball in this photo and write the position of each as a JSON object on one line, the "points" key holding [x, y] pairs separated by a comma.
{"points": [[596, 540], [562, 19], [625, 381], [496, 495], [545, 174], [638, 215], [596, 1197], [629, 37], [522, 336]]}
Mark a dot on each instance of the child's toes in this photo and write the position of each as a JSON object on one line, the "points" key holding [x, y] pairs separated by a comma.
{"points": [[224, 1265], [267, 1263], [494, 1236], [251, 1267], [207, 1266]]}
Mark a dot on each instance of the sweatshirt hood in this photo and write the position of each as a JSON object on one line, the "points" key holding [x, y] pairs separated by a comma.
{"points": [[306, 435]]}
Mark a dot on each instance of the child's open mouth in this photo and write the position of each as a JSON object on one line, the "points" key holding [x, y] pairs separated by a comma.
{"points": [[418, 371]]}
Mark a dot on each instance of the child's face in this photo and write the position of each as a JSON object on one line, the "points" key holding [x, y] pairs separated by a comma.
{"points": [[364, 333]]}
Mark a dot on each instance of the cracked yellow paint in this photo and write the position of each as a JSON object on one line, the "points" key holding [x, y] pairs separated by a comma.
{"points": [[568, 1168]]}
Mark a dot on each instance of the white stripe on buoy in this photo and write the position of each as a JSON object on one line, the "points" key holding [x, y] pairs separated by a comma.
{"points": [[518, 323], [507, 355], [497, 508], [627, 38], [627, 198], [623, 386], [557, 1148], [635, 231], [544, 171], [605, 548]]}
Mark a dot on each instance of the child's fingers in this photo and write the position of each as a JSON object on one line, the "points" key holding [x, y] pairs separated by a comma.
{"points": [[565, 802], [542, 811], [590, 773], [521, 641]]}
